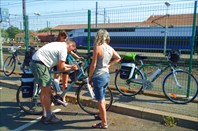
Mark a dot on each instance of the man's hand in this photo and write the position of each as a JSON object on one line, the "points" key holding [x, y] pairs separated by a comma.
{"points": [[74, 67]]}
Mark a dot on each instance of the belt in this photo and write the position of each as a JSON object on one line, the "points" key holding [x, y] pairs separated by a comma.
{"points": [[39, 62]]}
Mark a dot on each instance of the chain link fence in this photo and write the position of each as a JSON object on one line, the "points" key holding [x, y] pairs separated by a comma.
{"points": [[144, 29]]}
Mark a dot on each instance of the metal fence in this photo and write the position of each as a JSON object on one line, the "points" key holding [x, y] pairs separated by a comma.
{"points": [[144, 29]]}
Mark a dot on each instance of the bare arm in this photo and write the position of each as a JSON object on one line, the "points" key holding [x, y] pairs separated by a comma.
{"points": [[116, 58], [75, 55], [65, 67], [96, 54]]}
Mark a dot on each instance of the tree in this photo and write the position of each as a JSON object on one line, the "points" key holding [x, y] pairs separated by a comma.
{"points": [[4, 34], [45, 30], [12, 31]]}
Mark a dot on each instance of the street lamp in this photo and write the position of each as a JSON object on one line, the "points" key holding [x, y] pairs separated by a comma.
{"points": [[166, 28], [37, 14]]}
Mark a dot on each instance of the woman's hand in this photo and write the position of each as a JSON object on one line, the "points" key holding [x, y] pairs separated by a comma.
{"points": [[90, 80]]}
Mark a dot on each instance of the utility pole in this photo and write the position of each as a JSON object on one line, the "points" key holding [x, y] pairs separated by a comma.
{"points": [[25, 24], [1, 46]]}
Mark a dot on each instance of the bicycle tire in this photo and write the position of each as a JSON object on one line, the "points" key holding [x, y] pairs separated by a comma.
{"points": [[179, 95], [88, 104], [30, 105], [127, 87], [9, 65]]}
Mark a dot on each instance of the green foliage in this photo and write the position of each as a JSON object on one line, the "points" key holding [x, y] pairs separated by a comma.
{"points": [[12, 31], [45, 30], [4, 34], [169, 121]]}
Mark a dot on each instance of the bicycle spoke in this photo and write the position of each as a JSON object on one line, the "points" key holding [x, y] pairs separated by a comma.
{"points": [[90, 105], [182, 91], [129, 87]]}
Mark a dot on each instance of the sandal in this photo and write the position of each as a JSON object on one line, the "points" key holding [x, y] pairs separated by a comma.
{"points": [[100, 126], [97, 117]]}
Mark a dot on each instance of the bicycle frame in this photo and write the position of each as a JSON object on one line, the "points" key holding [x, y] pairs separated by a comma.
{"points": [[142, 67], [81, 75]]}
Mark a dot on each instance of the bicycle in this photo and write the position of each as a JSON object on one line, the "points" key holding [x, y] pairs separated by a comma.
{"points": [[85, 94], [11, 61], [178, 86]]}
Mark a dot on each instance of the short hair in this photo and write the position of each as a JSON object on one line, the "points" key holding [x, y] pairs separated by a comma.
{"points": [[101, 37], [61, 34]]}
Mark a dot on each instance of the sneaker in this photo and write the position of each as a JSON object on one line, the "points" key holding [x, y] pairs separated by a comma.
{"points": [[52, 119]]}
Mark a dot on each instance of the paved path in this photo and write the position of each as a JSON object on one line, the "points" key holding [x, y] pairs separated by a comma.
{"points": [[12, 118], [141, 106]]}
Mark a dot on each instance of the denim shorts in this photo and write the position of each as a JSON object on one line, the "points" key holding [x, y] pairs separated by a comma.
{"points": [[41, 74], [100, 84]]}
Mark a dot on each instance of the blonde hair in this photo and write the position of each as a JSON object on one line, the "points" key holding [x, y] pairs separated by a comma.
{"points": [[71, 41], [101, 37]]}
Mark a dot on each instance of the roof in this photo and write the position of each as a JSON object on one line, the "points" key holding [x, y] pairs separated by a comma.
{"points": [[173, 20]]}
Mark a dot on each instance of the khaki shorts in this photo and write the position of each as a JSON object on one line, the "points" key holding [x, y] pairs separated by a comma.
{"points": [[41, 74]]}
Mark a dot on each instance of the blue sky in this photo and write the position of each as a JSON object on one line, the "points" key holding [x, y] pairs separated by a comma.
{"points": [[47, 7]]}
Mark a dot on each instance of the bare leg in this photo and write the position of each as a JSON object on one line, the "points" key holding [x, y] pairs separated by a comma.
{"points": [[45, 98], [57, 76], [102, 111], [65, 78]]}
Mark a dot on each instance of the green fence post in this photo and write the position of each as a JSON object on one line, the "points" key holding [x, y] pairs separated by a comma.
{"points": [[1, 50], [89, 29], [192, 47], [26, 32]]}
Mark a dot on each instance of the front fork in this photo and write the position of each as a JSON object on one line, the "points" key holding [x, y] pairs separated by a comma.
{"points": [[175, 78]]}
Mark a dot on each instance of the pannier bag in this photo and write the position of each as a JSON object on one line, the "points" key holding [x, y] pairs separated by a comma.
{"points": [[127, 70], [27, 85]]}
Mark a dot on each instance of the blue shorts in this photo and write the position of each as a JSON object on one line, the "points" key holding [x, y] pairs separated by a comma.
{"points": [[100, 84]]}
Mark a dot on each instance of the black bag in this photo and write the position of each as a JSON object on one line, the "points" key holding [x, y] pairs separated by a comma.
{"points": [[174, 55], [28, 56], [125, 72], [27, 85]]}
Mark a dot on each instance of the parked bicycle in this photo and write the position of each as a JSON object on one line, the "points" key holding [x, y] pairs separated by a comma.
{"points": [[11, 61], [178, 85], [29, 101]]}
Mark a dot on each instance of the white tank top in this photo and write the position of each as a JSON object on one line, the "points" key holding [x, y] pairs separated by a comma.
{"points": [[101, 66]]}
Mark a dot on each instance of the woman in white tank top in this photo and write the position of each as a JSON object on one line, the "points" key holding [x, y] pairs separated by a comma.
{"points": [[99, 72]]}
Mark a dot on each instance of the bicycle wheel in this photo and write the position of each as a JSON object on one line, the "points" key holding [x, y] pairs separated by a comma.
{"points": [[30, 105], [129, 87], [9, 65], [180, 93], [90, 105]]}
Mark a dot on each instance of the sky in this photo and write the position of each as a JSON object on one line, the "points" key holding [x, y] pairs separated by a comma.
{"points": [[46, 7]]}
